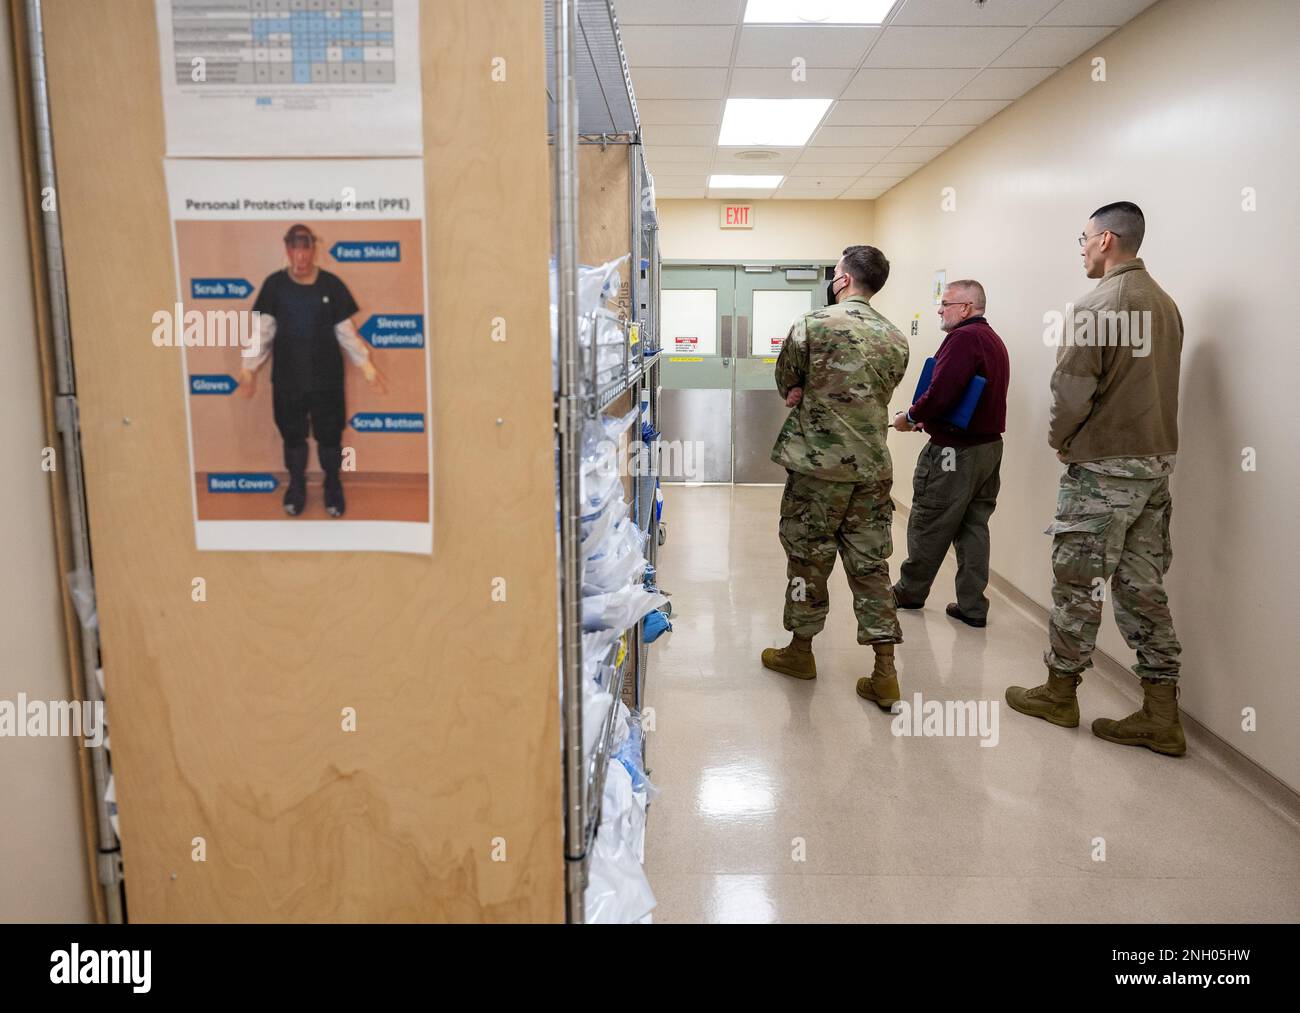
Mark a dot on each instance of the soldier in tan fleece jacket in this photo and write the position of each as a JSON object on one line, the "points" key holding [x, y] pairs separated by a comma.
{"points": [[1114, 425]]}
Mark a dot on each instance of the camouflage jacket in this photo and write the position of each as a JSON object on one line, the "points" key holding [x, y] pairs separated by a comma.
{"points": [[848, 359]]}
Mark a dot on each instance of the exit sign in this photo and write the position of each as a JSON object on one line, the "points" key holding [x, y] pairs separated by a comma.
{"points": [[737, 216]]}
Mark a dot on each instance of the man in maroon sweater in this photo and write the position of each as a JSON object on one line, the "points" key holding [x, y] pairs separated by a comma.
{"points": [[955, 487]]}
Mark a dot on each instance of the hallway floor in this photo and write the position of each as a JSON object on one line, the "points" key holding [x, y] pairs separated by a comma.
{"points": [[793, 801]]}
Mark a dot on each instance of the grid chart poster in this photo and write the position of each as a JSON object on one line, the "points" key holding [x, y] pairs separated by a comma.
{"points": [[300, 317], [248, 78]]}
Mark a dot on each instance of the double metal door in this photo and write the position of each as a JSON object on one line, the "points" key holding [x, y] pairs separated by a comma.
{"points": [[721, 327]]}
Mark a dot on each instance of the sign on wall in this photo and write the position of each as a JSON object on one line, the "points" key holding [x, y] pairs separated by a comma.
{"points": [[291, 77], [737, 216], [301, 318]]}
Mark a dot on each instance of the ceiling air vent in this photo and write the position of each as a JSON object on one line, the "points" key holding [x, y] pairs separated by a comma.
{"points": [[757, 155]]}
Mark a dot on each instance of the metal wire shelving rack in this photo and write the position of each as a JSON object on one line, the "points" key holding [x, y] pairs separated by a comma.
{"points": [[591, 101]]}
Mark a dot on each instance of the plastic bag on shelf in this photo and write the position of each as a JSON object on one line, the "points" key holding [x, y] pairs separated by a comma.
{"points": [[594, 648], [594, 532], [617, 889], [618, 609], [629, 752], [618, 560], [598, 285], [595, 709], [615, 425]]}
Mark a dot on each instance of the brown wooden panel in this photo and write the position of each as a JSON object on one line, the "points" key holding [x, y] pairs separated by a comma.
{"points": [[225, 715]]}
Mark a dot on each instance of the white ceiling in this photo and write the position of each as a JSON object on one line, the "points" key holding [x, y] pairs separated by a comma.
{"points": [[904, 91]]}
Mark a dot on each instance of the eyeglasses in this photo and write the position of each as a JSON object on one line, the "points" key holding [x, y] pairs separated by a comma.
{"points": [[945, 305], [1085, 237]]}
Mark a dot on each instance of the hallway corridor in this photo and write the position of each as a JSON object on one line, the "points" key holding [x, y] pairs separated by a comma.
{"points": [[792, 801]]}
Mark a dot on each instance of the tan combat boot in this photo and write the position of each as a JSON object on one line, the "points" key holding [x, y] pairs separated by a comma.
{"points": [[1055, 700], [796, 660], [881, 687], [1155, 726]]}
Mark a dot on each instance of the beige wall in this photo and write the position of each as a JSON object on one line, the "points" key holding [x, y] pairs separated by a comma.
{"points": [[783, 230], [42, 846], [1198, 102]]}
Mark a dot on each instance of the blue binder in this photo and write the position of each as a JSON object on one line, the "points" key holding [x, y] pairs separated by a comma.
{"points": [[961, 415]]}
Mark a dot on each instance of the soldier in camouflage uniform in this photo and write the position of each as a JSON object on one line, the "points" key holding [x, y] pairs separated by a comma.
{"points": [[837, 370], [1114, 425]]}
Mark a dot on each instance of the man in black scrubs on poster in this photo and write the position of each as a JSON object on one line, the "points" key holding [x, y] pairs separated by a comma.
{"points": [[306, 320]]}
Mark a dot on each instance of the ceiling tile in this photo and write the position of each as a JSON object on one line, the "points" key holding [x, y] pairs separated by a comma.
{"points": [[906, 168], [680, 182], [746, 195], [940, 47], [817, 46], [819, 183], [684, 83], [882, 178], [661, 154], [964, 12], [865, 156], [881, 113], [865, 193], [677, 46], [806, 195], [963, 113], [1004, 83], [867, 137], [1050, 47], [906, 84], [679, 111], [678, 12], [1096, 12], [829, 169], [682, 193], [918, 154], [932, 133], [732, 156], [680, 136], [754, 82]]}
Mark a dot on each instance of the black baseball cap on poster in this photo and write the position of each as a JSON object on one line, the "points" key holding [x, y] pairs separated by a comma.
{"points": [[299, 235]]}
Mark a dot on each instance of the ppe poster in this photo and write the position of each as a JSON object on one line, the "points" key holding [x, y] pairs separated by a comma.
{"points": [[300, 318], [280, 78]]}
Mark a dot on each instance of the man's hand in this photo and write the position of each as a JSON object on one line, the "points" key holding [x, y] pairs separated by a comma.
{"points": [[374, 378], [247, 383], [901, 423], [1060, 457], [794, 397]]}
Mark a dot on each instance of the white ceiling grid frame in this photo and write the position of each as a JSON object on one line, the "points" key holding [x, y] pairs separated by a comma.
{"points": [[902, 92]]}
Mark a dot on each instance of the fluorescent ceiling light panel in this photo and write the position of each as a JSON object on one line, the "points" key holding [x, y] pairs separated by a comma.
{"points": [[817, 12], [724, 182], [783, 122]]}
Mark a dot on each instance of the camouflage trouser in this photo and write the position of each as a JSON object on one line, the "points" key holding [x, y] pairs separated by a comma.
{"points": [[817, 518], [1117, 530]]}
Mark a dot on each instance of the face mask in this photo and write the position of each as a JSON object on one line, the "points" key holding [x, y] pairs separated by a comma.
{"points": [[830, 292]]}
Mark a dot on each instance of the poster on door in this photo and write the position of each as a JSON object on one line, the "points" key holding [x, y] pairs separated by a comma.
{"points": [[280, 78], [300, 322], [775, 311]]}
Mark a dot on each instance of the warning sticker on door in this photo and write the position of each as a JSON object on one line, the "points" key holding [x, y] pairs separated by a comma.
{"points": [[686, 344]]}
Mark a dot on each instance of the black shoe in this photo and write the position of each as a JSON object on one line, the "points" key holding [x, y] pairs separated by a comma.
{"points": [[334, 505], [957, 613], [904, 603], [295, 497]]}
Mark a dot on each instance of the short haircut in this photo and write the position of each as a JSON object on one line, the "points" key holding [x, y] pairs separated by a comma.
{"points": [[973, 289], [1125, 220], [867, 267]]}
